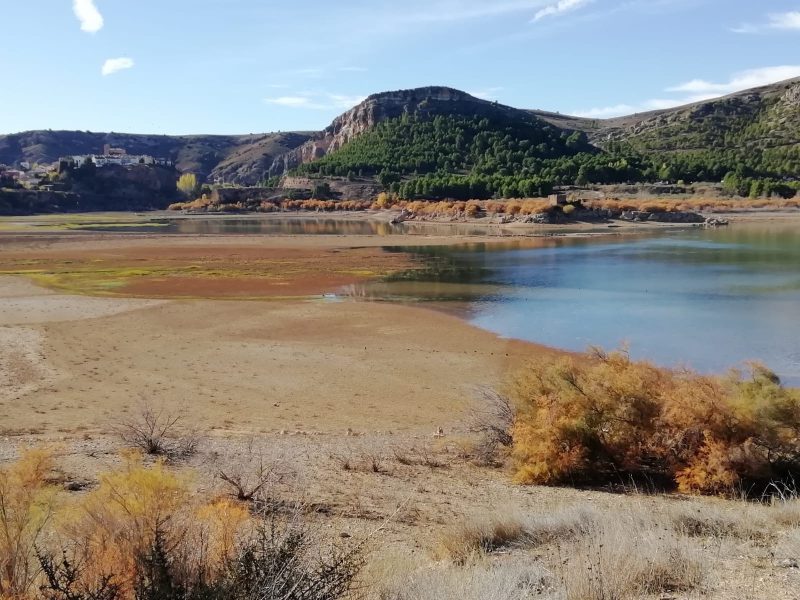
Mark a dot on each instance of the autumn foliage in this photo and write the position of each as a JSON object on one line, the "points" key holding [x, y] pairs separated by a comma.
{"points": [[604, 417], [143, 534]]}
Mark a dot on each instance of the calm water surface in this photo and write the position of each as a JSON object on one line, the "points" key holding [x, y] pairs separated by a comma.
{"points": [[708, 299]]}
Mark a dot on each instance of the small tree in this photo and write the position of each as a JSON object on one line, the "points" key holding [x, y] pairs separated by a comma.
{"points": [[187, 184]]}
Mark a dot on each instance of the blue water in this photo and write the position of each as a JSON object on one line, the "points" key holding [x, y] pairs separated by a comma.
{"points": [[707, 299]]}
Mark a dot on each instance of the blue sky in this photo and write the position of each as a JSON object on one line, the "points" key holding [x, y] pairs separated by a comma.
{"points": [[241, 66]]}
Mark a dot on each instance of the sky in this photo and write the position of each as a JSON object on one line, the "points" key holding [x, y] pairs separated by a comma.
{"points": [[251, 66]]}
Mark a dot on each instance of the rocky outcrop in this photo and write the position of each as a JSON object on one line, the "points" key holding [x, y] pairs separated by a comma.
{"points": [[426, 101]]}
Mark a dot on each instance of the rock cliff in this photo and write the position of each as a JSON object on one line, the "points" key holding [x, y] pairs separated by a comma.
{"points": [[426, 101]]}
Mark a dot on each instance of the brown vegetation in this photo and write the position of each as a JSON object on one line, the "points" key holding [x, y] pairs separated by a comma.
{"points": [[605, 417], [143, 534], [511, 207]]}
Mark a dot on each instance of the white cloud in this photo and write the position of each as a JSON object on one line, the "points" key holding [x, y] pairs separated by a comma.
{"points": [[787, 21], [740, 81], [90, 18], [486, 93], [291, 101], [317, 101], [559, 8], [347, 102], [697, 90], [114, 65], [463, 10]]}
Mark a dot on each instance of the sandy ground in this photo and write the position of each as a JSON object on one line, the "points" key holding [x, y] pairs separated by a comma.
{"points": [[244, 366]]}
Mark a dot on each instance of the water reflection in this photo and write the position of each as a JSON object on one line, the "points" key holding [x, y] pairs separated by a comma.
{"points": [[706, 298]]}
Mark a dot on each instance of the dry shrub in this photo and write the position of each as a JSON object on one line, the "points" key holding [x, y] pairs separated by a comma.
{"points": [[132, 510], [143, 534], [479, 535], [492, 419], [623, 554], [693, 204], [785, 506], [251, 476], [561, 527], [604, 416], [740, 521], [158, 432], [27, 501], [512, 580], [630, 556], [484, 534]]}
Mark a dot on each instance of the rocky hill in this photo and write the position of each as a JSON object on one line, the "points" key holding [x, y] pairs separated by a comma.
{"points": [[426, 102], [434, 134]]}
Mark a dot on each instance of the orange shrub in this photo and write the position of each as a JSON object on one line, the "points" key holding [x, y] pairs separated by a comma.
{"points": [[136, 507], [26, 505], [605, 415]]}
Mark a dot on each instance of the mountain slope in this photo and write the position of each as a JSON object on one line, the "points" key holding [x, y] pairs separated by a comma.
{"points": [[440, 141], [435, 142], [424, 103], [238, 159], [413, 140]]}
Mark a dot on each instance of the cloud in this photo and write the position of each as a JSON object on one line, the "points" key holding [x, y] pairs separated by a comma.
{"points": [[90, 18], [293, 101], [787, 21], [344, 101], [619, 110], [697, 90], [740, 81], [114, 65], [317, 101], [559, 8], [486, 93], [461, 10]]}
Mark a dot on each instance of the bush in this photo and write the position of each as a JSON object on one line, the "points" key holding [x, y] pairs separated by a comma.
{"points": [[26, 505], [143, 534], [158, 432], [604, 417]]}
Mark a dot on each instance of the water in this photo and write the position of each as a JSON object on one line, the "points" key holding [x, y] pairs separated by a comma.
{"points": [[708, 299], [274, 225]]}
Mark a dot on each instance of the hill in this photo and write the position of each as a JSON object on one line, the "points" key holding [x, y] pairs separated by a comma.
{"points": [[437, 141], [240, 159]]}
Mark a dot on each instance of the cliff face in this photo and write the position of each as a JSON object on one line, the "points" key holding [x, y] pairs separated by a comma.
{"points": [[427, 101]]}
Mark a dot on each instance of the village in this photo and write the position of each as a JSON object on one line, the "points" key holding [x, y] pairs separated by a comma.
{"points": [[45, 177]]}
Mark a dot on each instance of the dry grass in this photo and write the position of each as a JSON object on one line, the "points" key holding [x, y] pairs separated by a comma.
{"points": [[630, 556], [477, 535], [517, 579], [622, 554]]}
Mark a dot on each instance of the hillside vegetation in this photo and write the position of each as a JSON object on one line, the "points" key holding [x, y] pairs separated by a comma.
{"points": [[437, 142], [750, 142]]}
